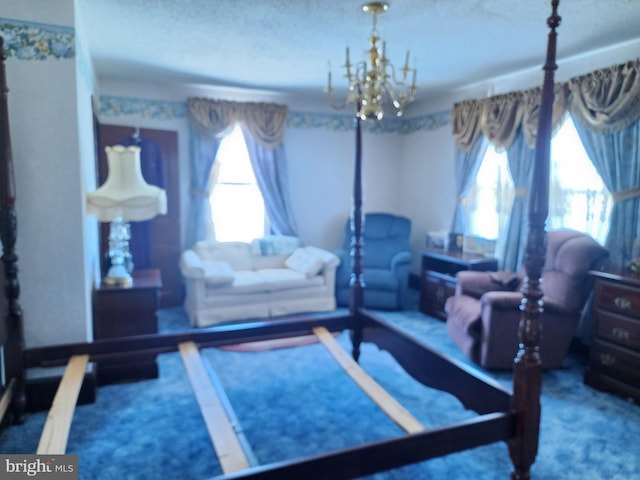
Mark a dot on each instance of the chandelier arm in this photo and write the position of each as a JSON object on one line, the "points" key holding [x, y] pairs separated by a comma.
{"points": [[333, 105], [402, 82]]}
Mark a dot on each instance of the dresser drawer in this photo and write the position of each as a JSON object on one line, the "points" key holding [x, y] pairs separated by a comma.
{"points": [[617, 329], [615, 362], [623, 299]]}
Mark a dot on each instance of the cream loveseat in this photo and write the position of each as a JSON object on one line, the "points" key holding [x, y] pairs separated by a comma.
{"points": [[268, 277]]}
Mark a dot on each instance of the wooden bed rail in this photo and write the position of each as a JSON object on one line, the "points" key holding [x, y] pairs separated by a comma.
{"points": [[55, 433], [142, 346]]}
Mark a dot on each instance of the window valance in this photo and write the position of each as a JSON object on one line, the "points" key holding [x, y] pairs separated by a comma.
{"points": [[607, 100], [604, 101], [266, 121], [499, 117]]}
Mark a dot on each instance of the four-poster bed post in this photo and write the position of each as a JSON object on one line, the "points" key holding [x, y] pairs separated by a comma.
{"points": [[527, 369], [502, 416], [357, 284], [13, 329]]}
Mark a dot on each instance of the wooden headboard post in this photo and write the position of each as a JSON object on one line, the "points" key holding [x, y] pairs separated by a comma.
{"points": [[14, 345], [527, 376], [356, 284]]}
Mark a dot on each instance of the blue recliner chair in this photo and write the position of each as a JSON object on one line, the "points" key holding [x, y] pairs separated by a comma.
{"points": [[385, 263]]}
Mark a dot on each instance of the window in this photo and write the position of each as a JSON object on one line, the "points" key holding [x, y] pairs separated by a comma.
{"points": [[577, 201], [237, 206], [491, 197], [577, 197]]}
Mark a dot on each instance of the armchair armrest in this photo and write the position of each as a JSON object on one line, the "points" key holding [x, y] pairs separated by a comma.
{"points": [[400, 259], [501, 300], [475, 284]]}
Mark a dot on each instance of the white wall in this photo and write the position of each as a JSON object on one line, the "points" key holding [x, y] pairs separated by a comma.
{"points": [[321, 166], [44, 124], [428, 185]]}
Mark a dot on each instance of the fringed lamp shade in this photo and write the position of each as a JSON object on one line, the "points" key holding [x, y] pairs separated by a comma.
{"points": [[124, 197]]}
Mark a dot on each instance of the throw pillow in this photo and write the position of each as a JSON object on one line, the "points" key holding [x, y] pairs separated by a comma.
{"points": [[304, 261]]}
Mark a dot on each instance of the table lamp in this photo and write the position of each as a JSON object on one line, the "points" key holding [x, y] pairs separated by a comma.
{"points": [[124, 197]]}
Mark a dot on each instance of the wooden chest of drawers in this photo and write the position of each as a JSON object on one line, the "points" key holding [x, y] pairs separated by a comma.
{"points": [[438, 278], [614, 362]]}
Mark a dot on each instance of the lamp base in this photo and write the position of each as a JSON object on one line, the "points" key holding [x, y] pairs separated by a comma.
{"points": [[118, 276]]}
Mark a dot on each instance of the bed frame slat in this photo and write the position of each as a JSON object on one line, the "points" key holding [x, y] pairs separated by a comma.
{"points": [[54, 436], [386, 402], [228, 447], [7, 396]]}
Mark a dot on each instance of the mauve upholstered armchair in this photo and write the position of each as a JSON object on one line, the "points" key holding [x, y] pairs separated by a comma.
{"points": [[385, 262], [483, 316]]}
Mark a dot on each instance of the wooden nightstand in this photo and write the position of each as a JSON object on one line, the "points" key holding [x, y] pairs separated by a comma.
{"points": [[124, 312], [614, 361], [438, 277]]}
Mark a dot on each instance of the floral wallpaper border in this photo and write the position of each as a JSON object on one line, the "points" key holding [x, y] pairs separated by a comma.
{"points": [[37, 41], [114, 106]]}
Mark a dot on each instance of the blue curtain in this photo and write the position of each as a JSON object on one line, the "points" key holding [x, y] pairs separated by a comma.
{"points": [[270, 168], [521, 159], [467, 165], [605, 106], [616, 157], [203, 150], [263, 126]]}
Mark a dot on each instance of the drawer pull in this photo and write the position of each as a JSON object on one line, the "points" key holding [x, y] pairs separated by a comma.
{"points": [[607, 359], [622, 303], [620, 334]]}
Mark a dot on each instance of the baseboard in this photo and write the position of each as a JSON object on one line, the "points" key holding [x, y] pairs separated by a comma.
{"points": [[42, 384]]}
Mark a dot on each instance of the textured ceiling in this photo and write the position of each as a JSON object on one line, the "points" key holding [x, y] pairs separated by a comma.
{"points": [[288, 45]]}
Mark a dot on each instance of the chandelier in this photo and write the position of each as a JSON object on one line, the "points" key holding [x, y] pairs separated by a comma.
{"points": [[373, 84]]}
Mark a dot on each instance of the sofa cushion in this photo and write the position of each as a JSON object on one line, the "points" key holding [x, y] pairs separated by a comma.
{"points": [[218, 273], [305, 261], [237, 254], [247, 281], [280, 279], [265, 281], [269, 261]]}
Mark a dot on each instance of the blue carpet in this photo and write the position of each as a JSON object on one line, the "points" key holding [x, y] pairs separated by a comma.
{"points": [[296, 401]]}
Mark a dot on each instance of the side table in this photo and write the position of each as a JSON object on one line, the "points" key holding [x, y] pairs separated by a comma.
{"points": [[438, 277], [124, 312]]}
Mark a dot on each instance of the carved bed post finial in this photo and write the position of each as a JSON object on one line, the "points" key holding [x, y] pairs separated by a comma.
{"points": [[527, 376], [356, 283], [8, 227]]}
